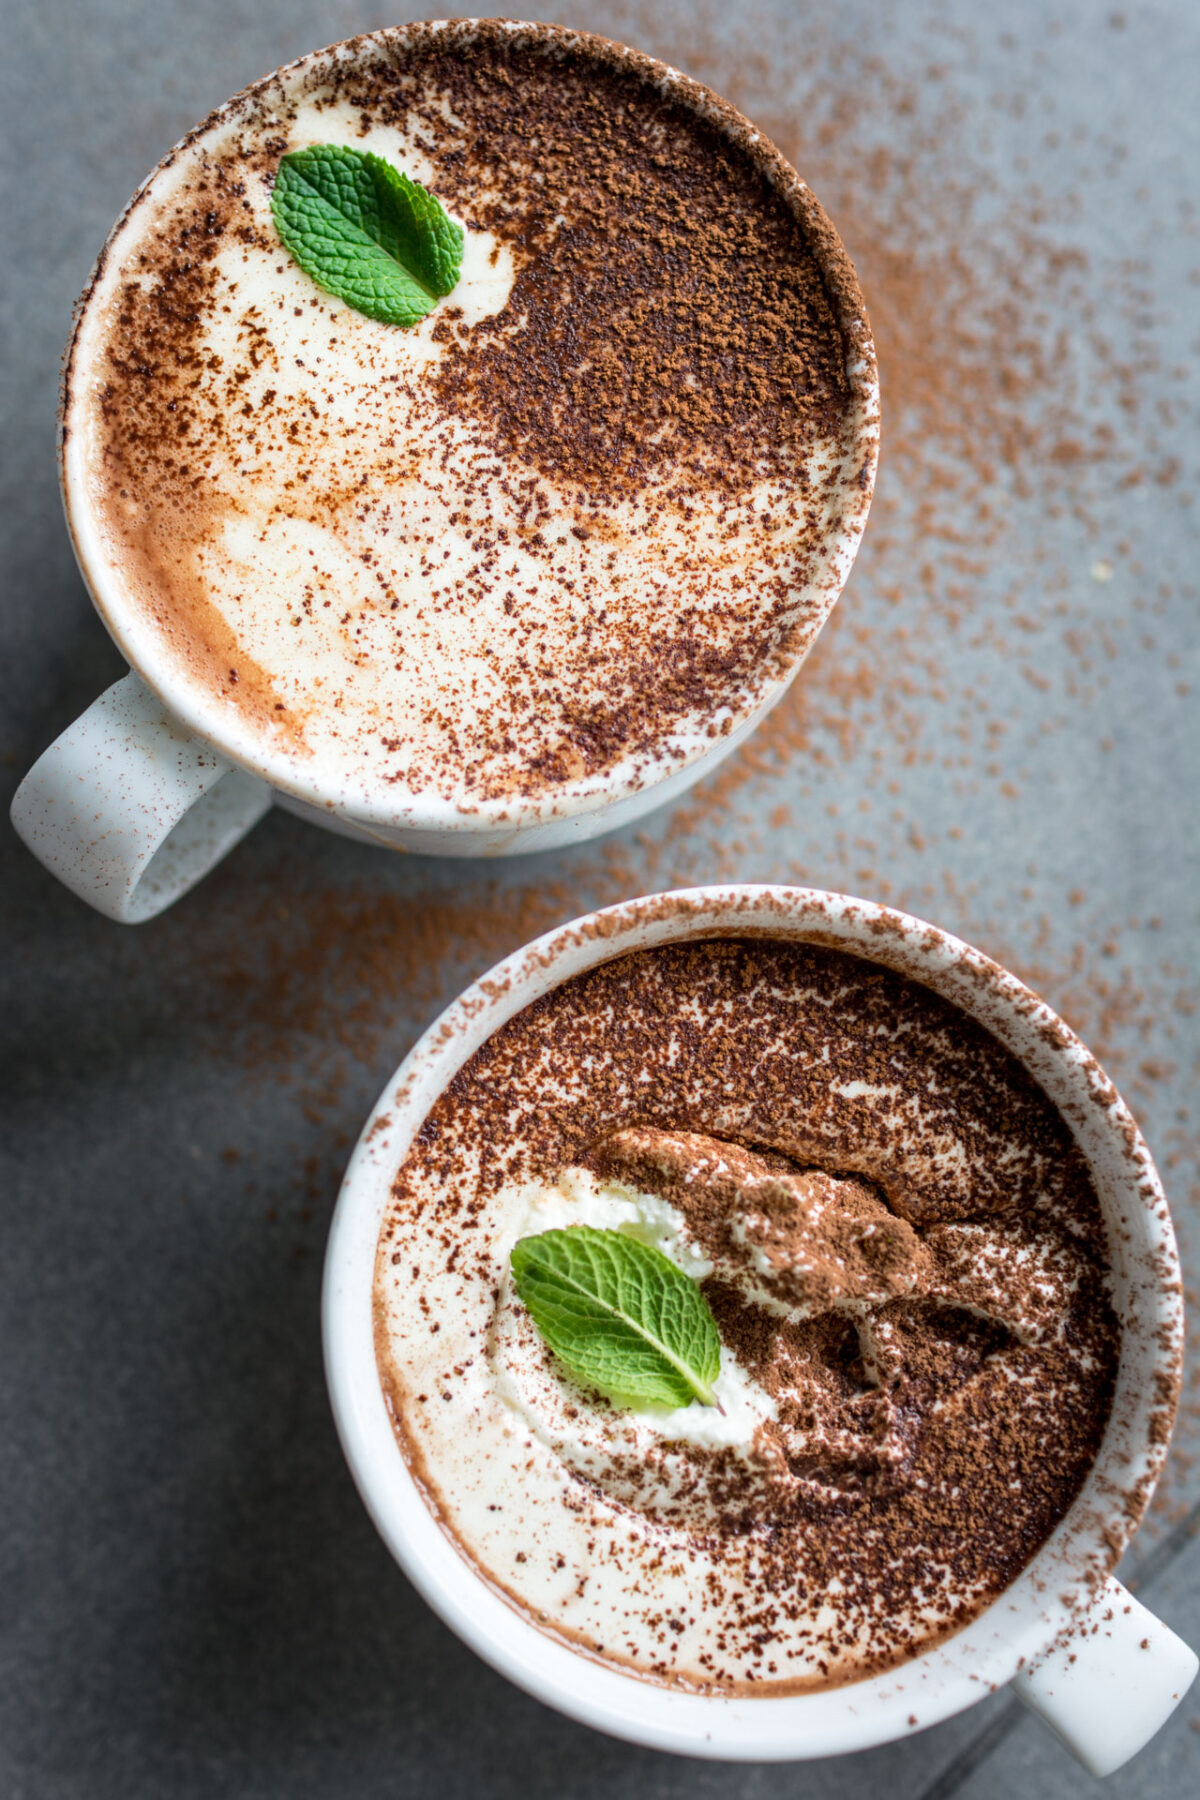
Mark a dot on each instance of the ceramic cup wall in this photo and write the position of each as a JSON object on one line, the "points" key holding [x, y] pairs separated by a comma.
{"points": [[1080, 1650], [139, 798]]}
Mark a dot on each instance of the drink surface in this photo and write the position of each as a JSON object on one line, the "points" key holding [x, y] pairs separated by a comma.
{"points": [[567, 530], [905, 1257]]}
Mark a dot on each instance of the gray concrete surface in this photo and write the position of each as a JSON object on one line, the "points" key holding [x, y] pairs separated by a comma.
{"points": [[998, 730]]}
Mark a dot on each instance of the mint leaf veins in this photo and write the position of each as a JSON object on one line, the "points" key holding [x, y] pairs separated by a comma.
{"points": [[365, 232], [620, 1315]]}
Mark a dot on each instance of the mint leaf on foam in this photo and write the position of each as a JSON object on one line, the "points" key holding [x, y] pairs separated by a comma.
{"points": [[620, 1316], [366, 233]]}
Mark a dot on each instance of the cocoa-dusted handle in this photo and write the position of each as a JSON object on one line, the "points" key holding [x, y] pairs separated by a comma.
{"points": [[1107, 1688], [129, 810]]}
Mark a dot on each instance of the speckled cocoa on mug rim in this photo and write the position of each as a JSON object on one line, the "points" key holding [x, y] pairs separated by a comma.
{"points": [[1054, 1590], [394, 808]]}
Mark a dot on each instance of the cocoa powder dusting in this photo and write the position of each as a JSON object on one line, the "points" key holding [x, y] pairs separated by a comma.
{"points": [[676, 319], [850, 1128], [661, 431]]}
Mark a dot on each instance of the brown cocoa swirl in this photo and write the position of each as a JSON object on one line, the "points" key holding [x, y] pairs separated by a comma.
{"points": [[956, 1365], [680, 332], [677, 321]]}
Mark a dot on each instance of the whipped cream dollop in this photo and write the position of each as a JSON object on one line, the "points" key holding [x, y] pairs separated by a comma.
{"points": [[580, 1428], [785, 1246]]}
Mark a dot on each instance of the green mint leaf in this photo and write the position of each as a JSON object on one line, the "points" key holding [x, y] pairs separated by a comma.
{"points": [[365, 232], [620, 1315]]}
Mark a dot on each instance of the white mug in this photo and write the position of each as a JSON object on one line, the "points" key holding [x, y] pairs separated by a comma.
{"points": [[1085, 1655], [138, 799]]}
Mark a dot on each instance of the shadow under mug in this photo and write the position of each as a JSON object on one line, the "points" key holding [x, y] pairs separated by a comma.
{"points": [[158, 780], [1078, 1648]]}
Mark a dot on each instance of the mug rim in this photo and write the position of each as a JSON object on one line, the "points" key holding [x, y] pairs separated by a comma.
{"points": [[1049, 1596], [395, 807]]}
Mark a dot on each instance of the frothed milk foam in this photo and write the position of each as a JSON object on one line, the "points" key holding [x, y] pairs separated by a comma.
{"points": [[388, 553]]}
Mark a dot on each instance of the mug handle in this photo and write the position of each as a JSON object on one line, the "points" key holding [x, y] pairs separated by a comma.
{"points": [[1108, 1687], [129, 810]]}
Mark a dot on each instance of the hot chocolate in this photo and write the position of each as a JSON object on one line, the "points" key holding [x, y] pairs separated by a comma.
{"points": [[570, 528], [903, 1251]]}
